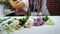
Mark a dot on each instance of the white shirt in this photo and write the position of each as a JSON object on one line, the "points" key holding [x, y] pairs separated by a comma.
{"points": [[26, 7]]}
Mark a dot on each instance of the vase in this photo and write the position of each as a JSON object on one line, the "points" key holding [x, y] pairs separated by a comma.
{"points": [[2, 10]]}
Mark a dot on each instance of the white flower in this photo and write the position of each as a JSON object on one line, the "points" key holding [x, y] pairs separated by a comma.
{"points": [[16, 22], [5, 26], [1, 29], [28, 24]]}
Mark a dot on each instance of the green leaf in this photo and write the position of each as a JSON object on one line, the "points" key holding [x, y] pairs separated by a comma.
{"points": [[23, 20], [9, 22], [45, 18], [4, 19]]}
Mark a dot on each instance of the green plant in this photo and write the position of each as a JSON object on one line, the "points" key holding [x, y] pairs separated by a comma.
{"points": [[4, 19], [9, 22], [5, 3], [45, 18], [23, 20]]}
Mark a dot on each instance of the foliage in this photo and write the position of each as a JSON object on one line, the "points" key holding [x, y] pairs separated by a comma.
{"points": [[45, 18], [5, 3], [4, 19], [23, 20]]}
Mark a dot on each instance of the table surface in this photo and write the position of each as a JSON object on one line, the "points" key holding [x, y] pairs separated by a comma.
{"points": [[45, 29]]}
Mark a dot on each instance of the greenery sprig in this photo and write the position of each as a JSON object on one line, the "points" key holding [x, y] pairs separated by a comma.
{"points": [[45, 18], [23, 20], [4, 19]]}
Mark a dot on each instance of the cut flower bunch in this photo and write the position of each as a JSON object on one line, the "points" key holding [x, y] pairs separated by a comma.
{"points": [[9, 24]]}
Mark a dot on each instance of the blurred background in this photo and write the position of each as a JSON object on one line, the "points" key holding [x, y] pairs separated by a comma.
{"points": [[36, 8]]}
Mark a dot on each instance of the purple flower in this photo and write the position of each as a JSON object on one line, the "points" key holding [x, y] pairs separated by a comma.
{"points": [[42, 23], [38, 22]]}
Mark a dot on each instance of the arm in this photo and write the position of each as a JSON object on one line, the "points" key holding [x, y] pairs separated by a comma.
{"points": [[17, 5], [20, 4]]}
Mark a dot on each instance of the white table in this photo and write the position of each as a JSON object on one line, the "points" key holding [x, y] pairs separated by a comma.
{"points": [[45, 29]]}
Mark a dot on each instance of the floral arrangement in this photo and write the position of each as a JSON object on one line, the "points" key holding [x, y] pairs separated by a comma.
{"points": [[16, 24]]}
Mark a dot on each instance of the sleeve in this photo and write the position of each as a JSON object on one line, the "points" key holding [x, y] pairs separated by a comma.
{"points": [[26, 7]]}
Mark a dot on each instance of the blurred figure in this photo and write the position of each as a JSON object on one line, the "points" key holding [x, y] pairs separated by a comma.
{"points": [[21, 6], [44, 9]]}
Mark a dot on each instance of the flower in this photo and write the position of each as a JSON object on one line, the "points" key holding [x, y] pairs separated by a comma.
{"points": [[5, 26], [28, 24], [49, 22], [16, 22], [38, 22], [1, 30]]}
